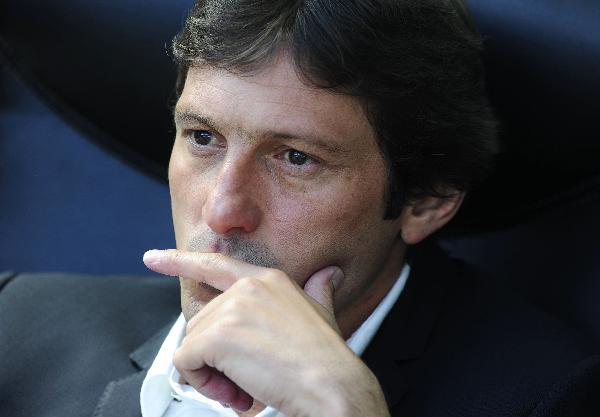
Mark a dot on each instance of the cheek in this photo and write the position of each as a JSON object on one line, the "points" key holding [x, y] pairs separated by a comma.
{"points": [[186, 195], [336, 226]]}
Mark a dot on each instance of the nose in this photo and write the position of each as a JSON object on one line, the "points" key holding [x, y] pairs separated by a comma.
{"points": [[231, 204]]}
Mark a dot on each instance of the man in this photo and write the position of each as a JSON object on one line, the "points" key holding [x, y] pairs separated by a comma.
{"points": [[318, 146]]}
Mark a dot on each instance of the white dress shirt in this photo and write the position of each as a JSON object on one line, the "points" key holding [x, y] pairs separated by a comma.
{"points": [[162, 395]]}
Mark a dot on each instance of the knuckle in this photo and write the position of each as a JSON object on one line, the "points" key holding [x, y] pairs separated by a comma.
{"points": [[279, 279], [189, 327], [179, 359], [273, 276], [233, 306], [219, 332], [250, 285]]}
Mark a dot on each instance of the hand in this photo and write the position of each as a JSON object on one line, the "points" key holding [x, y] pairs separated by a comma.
{"points": [[265, 338]]}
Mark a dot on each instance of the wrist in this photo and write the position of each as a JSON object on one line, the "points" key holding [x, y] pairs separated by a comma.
{"points": [[352, 391]]}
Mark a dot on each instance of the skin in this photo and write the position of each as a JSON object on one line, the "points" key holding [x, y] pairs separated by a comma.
{"points": [[281, 255]]}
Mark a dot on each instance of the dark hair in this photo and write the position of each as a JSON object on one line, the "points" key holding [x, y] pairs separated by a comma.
{"points": [[414, 64]]}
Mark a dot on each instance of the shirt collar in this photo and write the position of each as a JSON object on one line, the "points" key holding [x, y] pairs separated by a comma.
{"points": [[160, 386]]}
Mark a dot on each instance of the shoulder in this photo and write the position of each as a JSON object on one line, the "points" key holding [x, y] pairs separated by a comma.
{"points": [[53, 301], [485, 351], [29, 295], [505, 351], [473, 308], [71, 334]]}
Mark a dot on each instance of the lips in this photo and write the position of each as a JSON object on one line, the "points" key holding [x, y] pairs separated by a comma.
{"points": [[220, 246], [215, 247], [205, 293]]}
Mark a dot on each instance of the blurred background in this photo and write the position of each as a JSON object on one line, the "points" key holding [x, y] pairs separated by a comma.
{"points": [[85, 135]]}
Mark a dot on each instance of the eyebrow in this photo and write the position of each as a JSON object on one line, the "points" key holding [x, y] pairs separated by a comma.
{"points": [[186, 117]]}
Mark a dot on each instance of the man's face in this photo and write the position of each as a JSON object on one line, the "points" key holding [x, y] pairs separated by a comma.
{"points": [[271, 171]]}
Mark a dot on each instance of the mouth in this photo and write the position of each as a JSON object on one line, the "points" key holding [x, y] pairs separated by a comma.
{"points": [[214, 247], [205, 292], [222, 247], [236, 246]]}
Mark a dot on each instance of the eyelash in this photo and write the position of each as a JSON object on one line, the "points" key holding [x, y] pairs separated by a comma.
{"points": [[189, 134], [311, 163]]}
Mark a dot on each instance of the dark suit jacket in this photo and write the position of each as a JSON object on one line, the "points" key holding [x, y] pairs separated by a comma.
{"points": [[451, 346]]}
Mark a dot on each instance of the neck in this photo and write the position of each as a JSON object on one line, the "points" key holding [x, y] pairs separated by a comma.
{"points": [[361, 308]]}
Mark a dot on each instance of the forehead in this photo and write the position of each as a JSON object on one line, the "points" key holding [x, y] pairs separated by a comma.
{"points": [[273, 97]]}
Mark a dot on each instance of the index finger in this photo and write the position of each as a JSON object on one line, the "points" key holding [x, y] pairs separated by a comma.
{"points": [[215, 269]]}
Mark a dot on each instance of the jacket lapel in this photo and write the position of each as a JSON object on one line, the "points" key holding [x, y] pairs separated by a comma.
{"points": [[405, 333], [402, 338], [121, 398]]}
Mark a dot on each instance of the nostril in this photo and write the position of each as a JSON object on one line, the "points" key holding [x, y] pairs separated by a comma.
{"points": [[224, 215]]}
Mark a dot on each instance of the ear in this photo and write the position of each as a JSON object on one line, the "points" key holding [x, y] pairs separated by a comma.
{"points": [[428, 214]]}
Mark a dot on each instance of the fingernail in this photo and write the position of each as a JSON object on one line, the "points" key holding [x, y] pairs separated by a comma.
{"points": [[152, 257], [337, 278]]}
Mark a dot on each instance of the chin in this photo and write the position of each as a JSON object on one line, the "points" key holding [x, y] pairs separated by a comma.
{"points": [[196, 298]]}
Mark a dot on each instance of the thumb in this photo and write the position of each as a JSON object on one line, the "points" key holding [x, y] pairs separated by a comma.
{"points": [[322, 285]]}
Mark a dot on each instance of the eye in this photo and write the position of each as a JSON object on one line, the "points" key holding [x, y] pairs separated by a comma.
{"points": [[296, 157], [202, 137]]}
